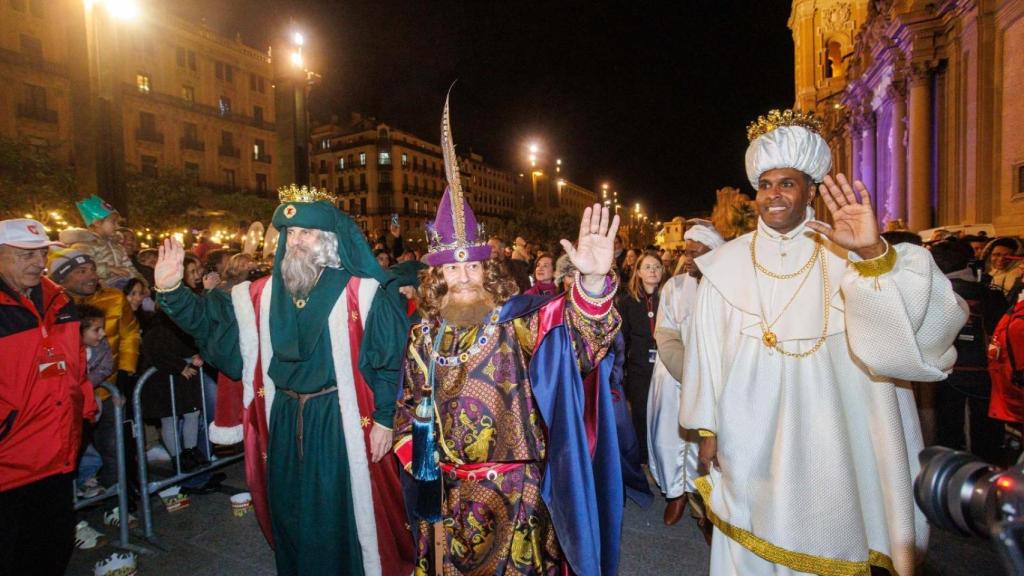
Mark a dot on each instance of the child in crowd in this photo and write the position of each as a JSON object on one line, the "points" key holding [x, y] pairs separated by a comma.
{"points": [[99, 367], [100, 241]]}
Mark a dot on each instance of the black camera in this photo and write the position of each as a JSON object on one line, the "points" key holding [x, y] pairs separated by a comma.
{"points": [[958, 492]]}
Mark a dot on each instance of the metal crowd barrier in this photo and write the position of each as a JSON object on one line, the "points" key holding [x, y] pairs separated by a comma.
{"points": [[121, 488], [149, 488]]}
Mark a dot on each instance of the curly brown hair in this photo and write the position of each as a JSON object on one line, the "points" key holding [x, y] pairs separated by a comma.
{"points": [[497, 282]]}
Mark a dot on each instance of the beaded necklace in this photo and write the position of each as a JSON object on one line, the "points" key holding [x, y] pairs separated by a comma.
{"points": [[487, 334]]}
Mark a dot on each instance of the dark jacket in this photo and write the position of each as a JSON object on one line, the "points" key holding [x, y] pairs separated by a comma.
{"points": [[638, 337], [165, 347], [44, 390]]}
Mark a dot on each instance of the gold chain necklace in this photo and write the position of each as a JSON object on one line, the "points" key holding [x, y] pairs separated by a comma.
{"points": [[769, 338], [769, 273]]}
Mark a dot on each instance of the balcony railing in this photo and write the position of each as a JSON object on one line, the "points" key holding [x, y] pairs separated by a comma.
{"points": [[37, 113], [213, 111], [190, 144], [229, 151], [265, 158], [145, 135]]}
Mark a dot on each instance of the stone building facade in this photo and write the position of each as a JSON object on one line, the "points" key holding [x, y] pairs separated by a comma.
{"points": [[921, 102]]}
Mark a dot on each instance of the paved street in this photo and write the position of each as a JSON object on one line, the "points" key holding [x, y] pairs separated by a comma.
{"points": [[207, 540]]}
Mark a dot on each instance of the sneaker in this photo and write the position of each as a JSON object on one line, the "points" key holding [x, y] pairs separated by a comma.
{"points": [[157, 455], [90, 488], [87, 537], [117, 564], [112, 518]]}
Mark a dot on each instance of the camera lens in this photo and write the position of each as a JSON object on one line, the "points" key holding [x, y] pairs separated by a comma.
{"points": [[954, 490]]}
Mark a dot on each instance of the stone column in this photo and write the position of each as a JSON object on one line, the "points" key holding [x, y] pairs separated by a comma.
{"points": [[898, 204], [919, 171], [867, 167], [853, 128]]}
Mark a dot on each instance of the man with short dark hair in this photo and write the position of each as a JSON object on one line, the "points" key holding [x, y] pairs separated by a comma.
{"points": [[44, 396]]}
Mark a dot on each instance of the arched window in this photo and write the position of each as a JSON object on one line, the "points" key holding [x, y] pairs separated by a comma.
{"points": [[834, 65]]}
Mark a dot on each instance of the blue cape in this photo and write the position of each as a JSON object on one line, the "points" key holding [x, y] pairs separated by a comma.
{"points": [[587, 520]]}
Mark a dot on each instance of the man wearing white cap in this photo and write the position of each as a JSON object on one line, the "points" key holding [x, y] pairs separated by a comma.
{"points": [[800, 334], [44, 395], [672, 451]]}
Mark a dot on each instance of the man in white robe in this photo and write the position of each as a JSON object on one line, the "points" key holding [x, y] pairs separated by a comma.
{"points": [[672, 451], [799, 332]]}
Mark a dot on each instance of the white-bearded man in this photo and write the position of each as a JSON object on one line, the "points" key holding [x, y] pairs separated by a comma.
{"points": [[319, 395]]}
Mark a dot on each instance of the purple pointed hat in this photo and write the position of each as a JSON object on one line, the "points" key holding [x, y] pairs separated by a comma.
{"points": [[454, 236]]}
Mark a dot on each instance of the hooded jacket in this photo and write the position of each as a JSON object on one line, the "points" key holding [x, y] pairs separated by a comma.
{"points": [[44, 390], [108, 253]]}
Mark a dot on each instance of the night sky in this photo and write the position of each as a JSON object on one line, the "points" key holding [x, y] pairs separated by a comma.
{"points": [[652, 97]]}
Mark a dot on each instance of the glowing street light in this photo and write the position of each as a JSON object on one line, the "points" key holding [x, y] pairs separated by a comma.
{"points": [[298, 39], [121, 9], [297, 59]]}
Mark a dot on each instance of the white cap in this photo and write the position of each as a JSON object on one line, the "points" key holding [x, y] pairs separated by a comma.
{"points": [[25, 233]]}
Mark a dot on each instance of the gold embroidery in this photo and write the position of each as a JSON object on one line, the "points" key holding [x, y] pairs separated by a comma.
{"points": [[364, 422], [798, 561], [261, 392]]}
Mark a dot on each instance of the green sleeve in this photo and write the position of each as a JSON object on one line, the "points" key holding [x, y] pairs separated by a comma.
{"points": [[211, 321], [382, 351]]}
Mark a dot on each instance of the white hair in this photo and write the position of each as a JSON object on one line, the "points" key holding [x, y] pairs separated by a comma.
{"points": [[301, 269]]}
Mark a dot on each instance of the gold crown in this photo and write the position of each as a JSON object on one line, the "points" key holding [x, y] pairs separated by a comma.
{"points": [[776, 118], [293, 193]]}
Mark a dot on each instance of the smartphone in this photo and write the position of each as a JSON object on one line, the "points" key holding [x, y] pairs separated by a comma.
{"points": [[394, 218]]}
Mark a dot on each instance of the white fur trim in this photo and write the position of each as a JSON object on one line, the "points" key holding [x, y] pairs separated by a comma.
{"points": [[355, 445], [266, 349], [367, 292], [225, 435], [248, 337]]}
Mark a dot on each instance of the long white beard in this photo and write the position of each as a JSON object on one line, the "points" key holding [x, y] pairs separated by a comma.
{"points": [[299, 272]]}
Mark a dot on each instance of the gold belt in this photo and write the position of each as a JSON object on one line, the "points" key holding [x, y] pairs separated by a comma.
{"points": [[302, 398]]}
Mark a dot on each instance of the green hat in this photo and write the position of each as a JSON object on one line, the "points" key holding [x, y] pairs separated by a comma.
{"points": [[93, 209]]}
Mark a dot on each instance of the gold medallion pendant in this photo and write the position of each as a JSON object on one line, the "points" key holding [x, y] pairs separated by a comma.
{"points": [[300, 303], [769, 338]]}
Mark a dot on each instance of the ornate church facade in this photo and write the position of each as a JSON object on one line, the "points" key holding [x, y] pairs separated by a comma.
{"points": [[923, 101]]}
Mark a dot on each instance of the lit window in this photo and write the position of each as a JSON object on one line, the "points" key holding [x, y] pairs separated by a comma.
{"points": [[142, 82], [341, 163], [225, 106], [362, 158], [384, 158], [188, 94], [405, 159]]}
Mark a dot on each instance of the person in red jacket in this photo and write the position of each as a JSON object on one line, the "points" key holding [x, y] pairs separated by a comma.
{"points": [[44, 395], [1006, 366]]}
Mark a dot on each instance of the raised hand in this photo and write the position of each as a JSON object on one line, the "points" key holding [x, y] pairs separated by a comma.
{"points": [[170, 265], [855, 227], [595, 248]]}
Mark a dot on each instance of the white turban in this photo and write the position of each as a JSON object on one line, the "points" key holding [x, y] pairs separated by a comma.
{"points": [[788, 147], [705, 234]]}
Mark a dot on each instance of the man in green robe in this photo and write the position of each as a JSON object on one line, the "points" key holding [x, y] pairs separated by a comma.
{"points": [[319, 397]]}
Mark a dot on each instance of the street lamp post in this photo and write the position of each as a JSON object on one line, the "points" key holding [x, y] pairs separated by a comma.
{"points": [[292, 118], [105, 126]]}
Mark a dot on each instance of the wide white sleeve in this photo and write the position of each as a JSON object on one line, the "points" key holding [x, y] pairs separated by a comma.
{"points": [[902, 323], [667, 334], [702, 362]]}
